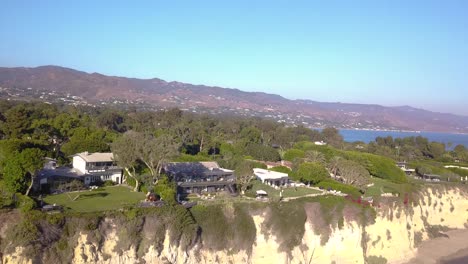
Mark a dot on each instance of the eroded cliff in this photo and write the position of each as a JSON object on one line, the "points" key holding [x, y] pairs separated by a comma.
{"points": [[315, 230]]}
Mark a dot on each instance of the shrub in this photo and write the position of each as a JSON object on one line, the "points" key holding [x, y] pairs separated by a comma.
{"points": [[21, 234], [378, 166], [282, 169], [166, 189], [25, 203], [338, 186], [293, 154], [256, 164], [287, 222], [376, 260], [310, 172], [328, 151], [225, 227], [5, 197], [192, 158], [108, 183], [262, 152]]}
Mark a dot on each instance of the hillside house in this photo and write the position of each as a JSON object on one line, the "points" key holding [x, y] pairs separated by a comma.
{"points": [[200, 177], [431, 177], [404, 167], [272, 178], [97, 167]]}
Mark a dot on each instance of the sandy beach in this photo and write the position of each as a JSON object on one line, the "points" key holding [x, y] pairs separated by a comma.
{"points": [[444, 250]]}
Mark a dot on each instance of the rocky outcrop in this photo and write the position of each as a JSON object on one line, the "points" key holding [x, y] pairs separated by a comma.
{"points": [[393, 233]]}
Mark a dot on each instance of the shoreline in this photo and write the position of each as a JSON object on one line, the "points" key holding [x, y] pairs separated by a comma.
{"points": [[443, 250]]}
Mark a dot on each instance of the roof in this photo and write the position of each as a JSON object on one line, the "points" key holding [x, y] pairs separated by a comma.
{"points": [[432, 175], [96, 157], [61, 171], [268, 174], [261, 192], [193, 167]]}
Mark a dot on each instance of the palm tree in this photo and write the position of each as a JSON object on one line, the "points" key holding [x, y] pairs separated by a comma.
{"points": [[314, 156], [333, 164]]}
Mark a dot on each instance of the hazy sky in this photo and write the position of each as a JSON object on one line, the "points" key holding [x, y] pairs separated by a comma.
{"points": [[386, 52]]}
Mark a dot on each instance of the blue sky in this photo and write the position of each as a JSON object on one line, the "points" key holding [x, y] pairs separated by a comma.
{"points": [[385, 52]]}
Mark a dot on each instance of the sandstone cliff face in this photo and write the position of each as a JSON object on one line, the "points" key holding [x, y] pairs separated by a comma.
{"points": [[394, 235]]}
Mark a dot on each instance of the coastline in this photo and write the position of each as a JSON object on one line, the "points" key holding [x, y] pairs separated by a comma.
{"points": [[443, 250]]}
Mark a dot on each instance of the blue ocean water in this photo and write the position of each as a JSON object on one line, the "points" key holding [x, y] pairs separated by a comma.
{"points": [[370, 135]]}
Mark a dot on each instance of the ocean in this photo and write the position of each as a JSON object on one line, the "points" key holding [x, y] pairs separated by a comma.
{"points": [[370, 135]]}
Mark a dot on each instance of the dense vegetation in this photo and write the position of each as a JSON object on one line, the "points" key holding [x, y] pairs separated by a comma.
{"points": [[143, 141]]}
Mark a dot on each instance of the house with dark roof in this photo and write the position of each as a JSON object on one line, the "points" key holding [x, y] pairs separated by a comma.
{"points": [[200, 177]]}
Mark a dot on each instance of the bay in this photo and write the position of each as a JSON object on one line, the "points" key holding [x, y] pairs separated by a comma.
{"points": [[449, 139]]}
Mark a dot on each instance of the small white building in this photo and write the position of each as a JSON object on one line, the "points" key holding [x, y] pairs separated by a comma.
{"points": [[272, 178], [97, 167], [320, 143]]}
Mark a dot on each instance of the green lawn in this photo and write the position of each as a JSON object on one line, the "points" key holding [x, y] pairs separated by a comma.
{"points": [[384, 186], [274, 193], [107, 198]]}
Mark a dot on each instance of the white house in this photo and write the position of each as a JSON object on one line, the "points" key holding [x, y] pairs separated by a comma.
{"points": [[97, 167], [320, 143], [272, 178]]}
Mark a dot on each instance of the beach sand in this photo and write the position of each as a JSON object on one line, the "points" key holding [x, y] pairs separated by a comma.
{"points": [[444, 250]]}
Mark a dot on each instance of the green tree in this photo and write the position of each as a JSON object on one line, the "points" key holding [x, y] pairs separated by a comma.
{"points": [[436, 150], [126, 155], [244, 174], [17, 121], [333, 164], [32, 160], [460, 152], [293, 154], [422, 169], [13, 175], [262, 152], [353, 173], [251, 135], [154, 151], [314, 156], [332, 136], [311, 173], [166, 189]]}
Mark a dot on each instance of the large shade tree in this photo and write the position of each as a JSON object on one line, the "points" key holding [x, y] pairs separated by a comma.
{"points": [[21, 168], [310, 172], [244, 174], [126, 155], [353, 173], [32, 160], [134, 147]]}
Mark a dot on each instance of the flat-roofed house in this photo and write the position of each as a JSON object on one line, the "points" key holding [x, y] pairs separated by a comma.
{"points": [[97, 167], [431, 177], [272, 178], [403, 166], [198, 177]]}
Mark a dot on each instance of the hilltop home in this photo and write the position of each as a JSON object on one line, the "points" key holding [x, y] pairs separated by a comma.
{"points": [[198, 177], [97, 167], [272, 178]]}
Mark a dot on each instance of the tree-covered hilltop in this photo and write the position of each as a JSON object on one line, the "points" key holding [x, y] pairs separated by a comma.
{"points": [[144, 140]]}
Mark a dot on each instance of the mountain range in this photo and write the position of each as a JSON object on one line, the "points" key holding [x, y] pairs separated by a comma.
{"points": [[54, 83]]}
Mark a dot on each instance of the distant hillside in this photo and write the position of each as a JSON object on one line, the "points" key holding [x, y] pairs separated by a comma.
{"points": [[51, 83]]}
